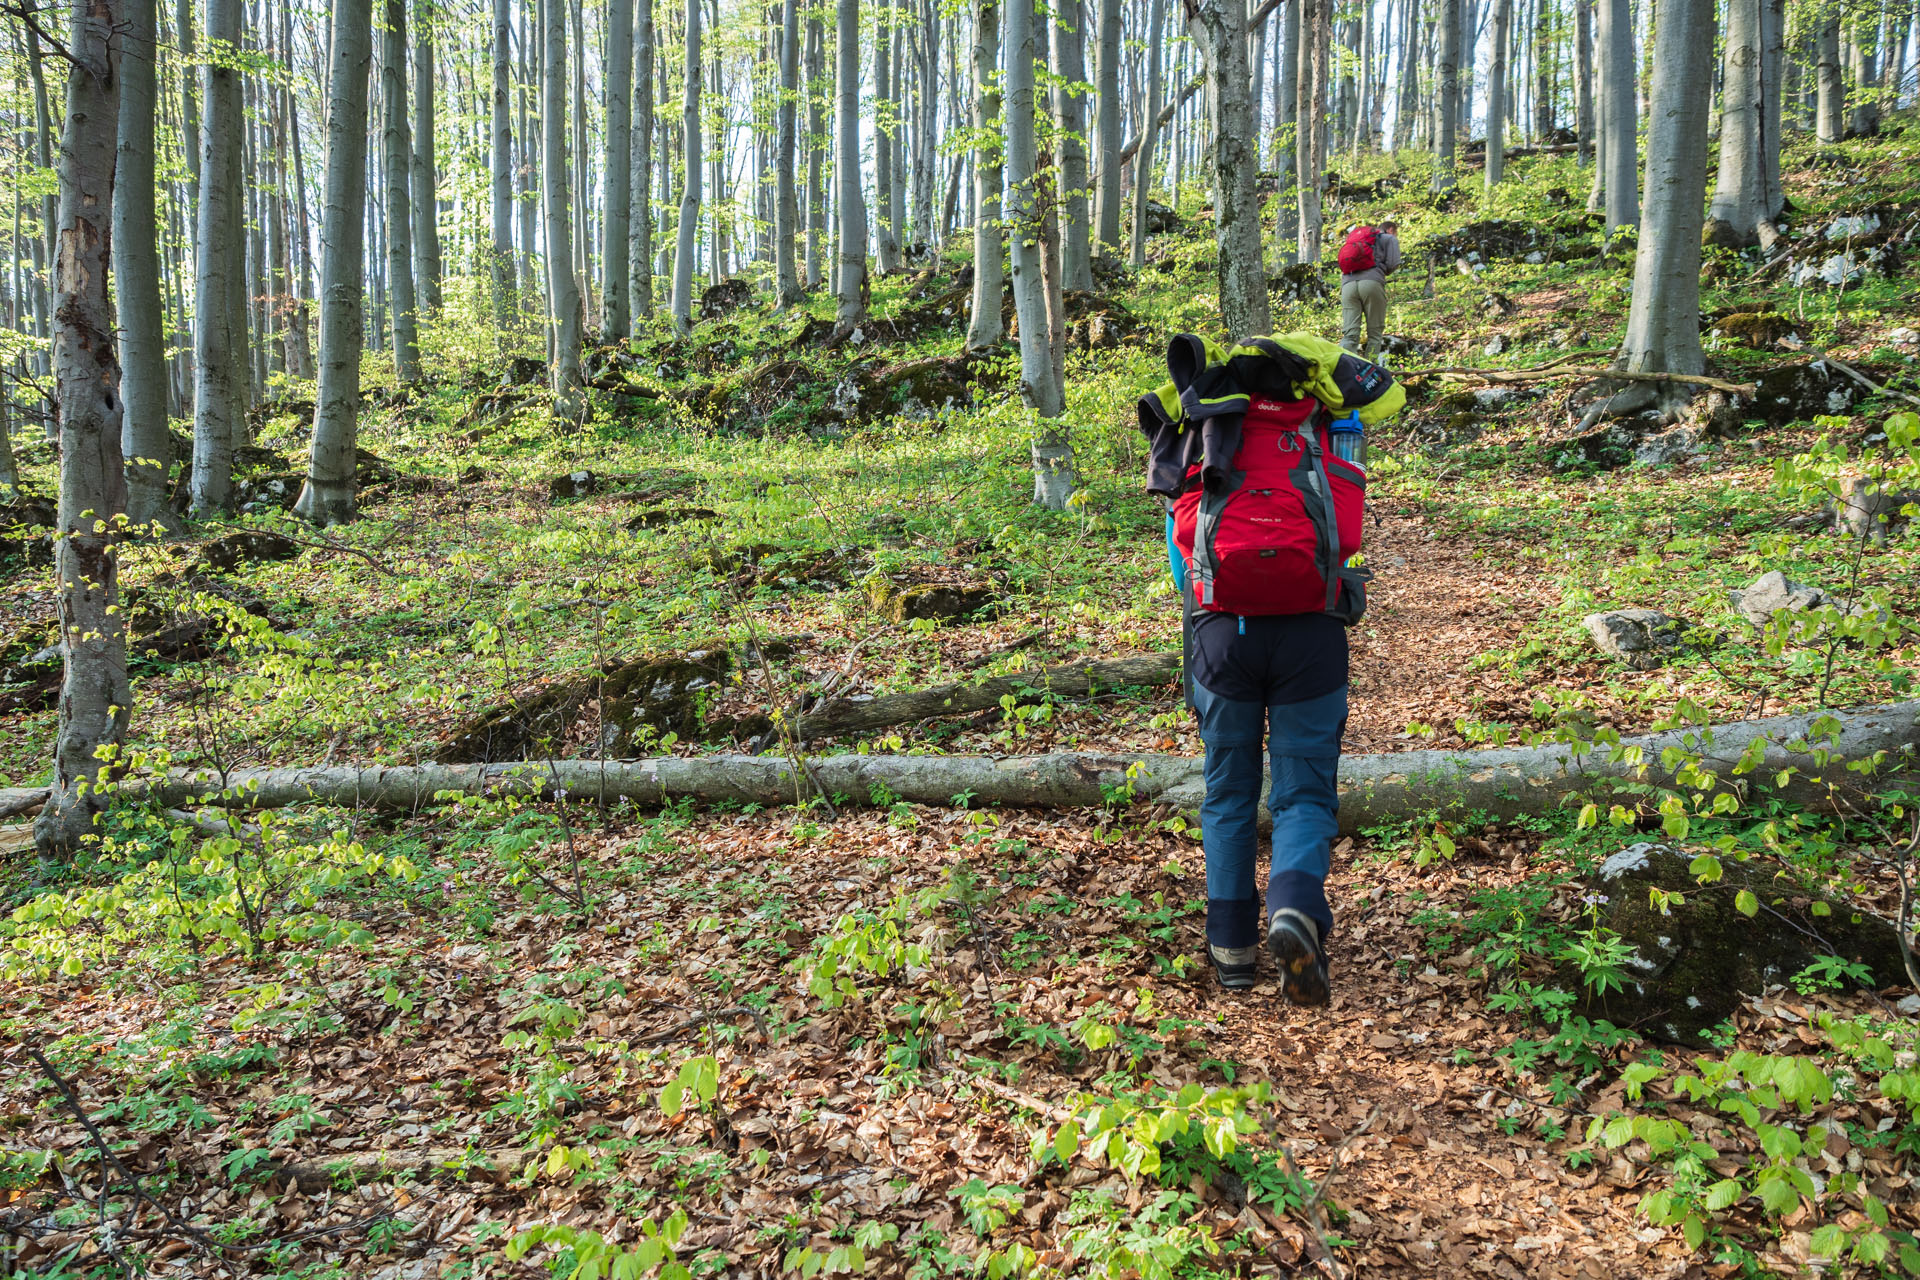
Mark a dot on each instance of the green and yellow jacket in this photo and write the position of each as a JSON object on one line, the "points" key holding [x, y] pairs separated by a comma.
{"points": [[1194, 419]]}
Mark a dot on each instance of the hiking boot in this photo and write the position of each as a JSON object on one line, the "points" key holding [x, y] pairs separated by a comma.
{"points": [[1294, 940], [1234, 966]]}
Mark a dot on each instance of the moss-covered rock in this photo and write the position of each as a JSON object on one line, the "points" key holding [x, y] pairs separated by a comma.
{"points": [[903, 601], [1757, 329], [1691, 968]]}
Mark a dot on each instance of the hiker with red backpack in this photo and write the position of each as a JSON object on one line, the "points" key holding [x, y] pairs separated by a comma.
{"points": [[1367, 257], [1256, 449]]}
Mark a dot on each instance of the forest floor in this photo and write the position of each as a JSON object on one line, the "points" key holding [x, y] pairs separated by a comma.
{"points": [[344, 1044]]}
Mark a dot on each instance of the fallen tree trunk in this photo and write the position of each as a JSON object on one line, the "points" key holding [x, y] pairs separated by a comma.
{"points": [[841, 716], [1543, 373], [1503, 782]]}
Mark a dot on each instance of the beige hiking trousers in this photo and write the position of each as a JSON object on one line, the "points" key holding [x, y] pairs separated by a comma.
{"points": [[1363, 315]]}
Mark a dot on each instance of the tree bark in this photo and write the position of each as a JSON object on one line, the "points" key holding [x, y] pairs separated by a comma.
{"points": [[425, 166], [397, 165], [850, 280], [841, 717], [886, 248], [1449, 105], [1220, 28], [1106, 127], [1663, 326], [640, 174], [505, 307], [1070, 121], [690, 178], [1316, 36], [985, 327], [220, 329], [1504, 783], [617, 193], [1830, 112], [95, 698], [1583, 77], [1740, 214], [146, 442], [786, 203], [328, 496], [816, 149], [1287, 135], [1149, 134], [564, 304], [1038, 383], [1619, 122], [1497, 94]]}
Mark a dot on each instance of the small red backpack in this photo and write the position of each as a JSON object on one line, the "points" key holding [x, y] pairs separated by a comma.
{"points": [[1356, 253], [1276, 543]]}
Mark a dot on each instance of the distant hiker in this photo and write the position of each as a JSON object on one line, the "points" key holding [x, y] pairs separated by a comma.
{"points": [[1367, 258], [1255, 449]]}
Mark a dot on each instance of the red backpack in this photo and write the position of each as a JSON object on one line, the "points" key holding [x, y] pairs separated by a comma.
{"points": [[1356, 253], [1276, 543]]}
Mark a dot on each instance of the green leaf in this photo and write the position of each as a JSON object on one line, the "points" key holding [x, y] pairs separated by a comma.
{"points": [[1745, 903]]}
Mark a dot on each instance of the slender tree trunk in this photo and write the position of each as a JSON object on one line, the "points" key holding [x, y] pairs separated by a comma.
{"points": [[1106, 128], [523, 170], [786, 204], [689, 179], [1220, 29], [328, 496], [1286, 110], [425, 165], [505, 309], [1070, 120], [1497, 94], [886, 249], [1449, 73], [397, 163], [618, 188], [578, 210], [1831, 110], [1773, 65], [1619, 134], [219, 340], [1149, 134], [640, 229], [851, 277], [985, 327], [816, 149], [1583, 78], [189, 106], [146, 443], [1040, 384], [1316, 35], [1408, 110], [563, 284], [96, 700]]}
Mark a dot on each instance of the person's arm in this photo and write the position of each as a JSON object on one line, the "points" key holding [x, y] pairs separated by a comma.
{"points": [[1390, 253]]}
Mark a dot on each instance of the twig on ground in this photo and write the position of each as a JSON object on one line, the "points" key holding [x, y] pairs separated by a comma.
{"points": [[1311, 1209], [1863, 379], [707, 1019]]}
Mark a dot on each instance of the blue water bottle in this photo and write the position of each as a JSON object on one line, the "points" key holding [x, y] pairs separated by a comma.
{"points": [[1349, 445]]}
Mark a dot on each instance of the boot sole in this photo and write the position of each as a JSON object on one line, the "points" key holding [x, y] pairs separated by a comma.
{"points": [[1302, 978]]}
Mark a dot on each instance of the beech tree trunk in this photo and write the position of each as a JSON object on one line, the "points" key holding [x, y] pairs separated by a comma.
{"points": [[1149, 134], [328, 496], [617, 192], [1504, 783], [816, 149], [1106, 129], [985, 327], [1583, 77], [1070, 121], [1619, 122], [1287, 134], [425, 167], [220, 329], [1449, 101], [1220, 28], [1741, 214], [786, 204], [1038, 383], [690, 178], [640, 211], [850, 279], [505, 308], [886, 119], [1497, 94], [396, 161], [564, 304], [1316, 36], [1829, 80], [146, 442], [96, 700]]}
